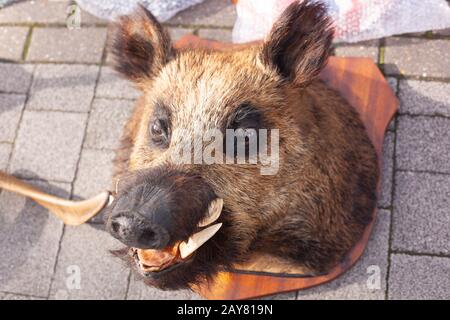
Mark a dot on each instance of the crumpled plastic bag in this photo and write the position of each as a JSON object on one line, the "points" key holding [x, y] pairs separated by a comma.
{"points": [[355, 20], [110, 9], [6, 2]]}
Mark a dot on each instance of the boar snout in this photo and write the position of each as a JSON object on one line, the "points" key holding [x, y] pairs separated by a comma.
{"points": [[158, 209], [134, 231]]}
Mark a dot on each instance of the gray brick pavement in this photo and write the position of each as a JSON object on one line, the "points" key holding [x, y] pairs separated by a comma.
{"points": [[29, 240], [94, 175], [12, 42], [112, 85], [16, 78], [106, 123], [362, 49], [417, 57], [385, 197], [85, 252], [217, 13], [424, 97], [423, 143], [421, 214], [417, 277], [48, 145], [63, 87], [38, 11], [11, 106], [83, 45], [5, 151]]}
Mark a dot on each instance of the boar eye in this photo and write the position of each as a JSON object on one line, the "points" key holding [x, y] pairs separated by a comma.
{"points": [[245, 117], [159, 132], [245, 122]]}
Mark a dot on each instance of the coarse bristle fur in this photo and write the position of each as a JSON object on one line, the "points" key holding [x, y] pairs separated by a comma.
{"points": [[317, 205]]}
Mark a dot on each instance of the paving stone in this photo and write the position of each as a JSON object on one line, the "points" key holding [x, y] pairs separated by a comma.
{"points": [[66, 45], [442, 32], [11, 106], [85, 253], [209, 13], [48, 145], [391, 125], [392, 82], [216, 34], [16, 78], [424, 97], [367, 279], [367, 49], [94, 172], [63, 87], [106, 123], [5, 151], [88, 19], [177, 33], [420, 57], [43, 12], [37, 11], [139, 291], [385, 198], [419, 278], [421, 214], [12, 296], [112, 85], [94, 175], [12, 41], [29, 240], [423, 143]]}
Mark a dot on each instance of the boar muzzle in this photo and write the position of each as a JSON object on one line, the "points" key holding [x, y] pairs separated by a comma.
{"points": [[139, 221], [157, 210]]}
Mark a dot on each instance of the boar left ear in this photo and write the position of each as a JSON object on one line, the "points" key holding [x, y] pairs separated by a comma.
{"points": [[140, 45], [300, 42]]}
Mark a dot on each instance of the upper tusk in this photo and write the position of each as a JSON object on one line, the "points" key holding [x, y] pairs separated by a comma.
{"points": [[197, 240], [214, 211]]}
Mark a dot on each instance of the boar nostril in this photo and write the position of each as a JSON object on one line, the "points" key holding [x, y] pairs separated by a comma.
{"points": [[115, 227], [147, 236], [137, 232]]}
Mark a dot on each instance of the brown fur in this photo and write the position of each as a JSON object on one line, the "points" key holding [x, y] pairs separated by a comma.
{"points": [[317, 205]]}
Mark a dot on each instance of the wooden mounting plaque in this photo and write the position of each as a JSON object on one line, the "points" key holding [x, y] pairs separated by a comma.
{"points": [[359, 81]]}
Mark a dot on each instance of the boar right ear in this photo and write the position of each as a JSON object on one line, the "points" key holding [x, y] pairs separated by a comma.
{"points": [[300, 42], [140, 45]]}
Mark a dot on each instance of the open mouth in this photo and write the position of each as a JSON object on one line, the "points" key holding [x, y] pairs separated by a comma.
{"points": [[150, 260]]}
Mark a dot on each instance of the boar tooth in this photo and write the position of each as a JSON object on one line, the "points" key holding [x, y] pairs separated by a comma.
{"points": [[214, 211], [110, 200], [197, 240]]}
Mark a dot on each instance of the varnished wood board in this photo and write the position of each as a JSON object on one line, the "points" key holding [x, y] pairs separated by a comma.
{"points": [[360, 82]]}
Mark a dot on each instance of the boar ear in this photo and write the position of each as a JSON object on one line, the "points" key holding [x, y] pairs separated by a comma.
{"points": [[140, 46], [300, 42]]}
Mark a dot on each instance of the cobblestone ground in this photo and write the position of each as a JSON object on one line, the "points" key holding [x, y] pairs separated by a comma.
{"points": [[61, 113]]}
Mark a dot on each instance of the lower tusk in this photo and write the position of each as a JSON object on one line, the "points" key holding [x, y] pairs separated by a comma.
{"points": [[197, 240]]}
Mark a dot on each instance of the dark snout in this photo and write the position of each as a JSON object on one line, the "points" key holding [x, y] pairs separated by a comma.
{"points": [[153, 211], [138, 232]]}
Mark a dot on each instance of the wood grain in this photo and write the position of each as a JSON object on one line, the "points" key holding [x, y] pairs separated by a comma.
{"points": [[359, 81]]}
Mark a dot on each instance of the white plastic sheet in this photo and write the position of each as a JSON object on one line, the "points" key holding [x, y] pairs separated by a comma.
{"points": [[355, 20]]}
